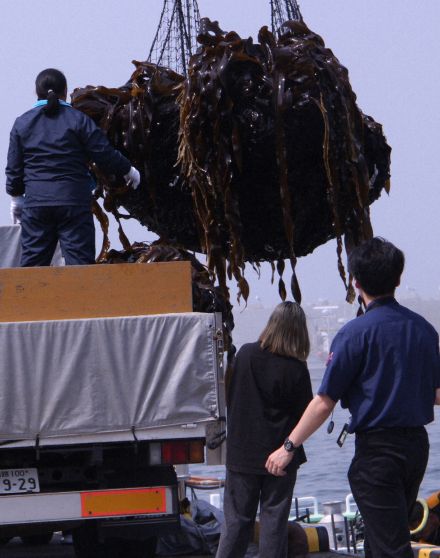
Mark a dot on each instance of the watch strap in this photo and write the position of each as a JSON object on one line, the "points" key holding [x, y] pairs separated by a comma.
{"points": [[289, 445]]}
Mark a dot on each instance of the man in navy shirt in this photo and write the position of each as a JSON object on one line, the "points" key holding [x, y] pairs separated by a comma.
{"points": [[50, 148], [385, 368]]}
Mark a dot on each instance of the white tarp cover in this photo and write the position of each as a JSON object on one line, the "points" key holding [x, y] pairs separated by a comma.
{"points": [[69, 377], [10, 247]]}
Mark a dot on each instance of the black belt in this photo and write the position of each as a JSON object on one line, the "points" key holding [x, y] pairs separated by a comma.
{"points": [[391, 429]]}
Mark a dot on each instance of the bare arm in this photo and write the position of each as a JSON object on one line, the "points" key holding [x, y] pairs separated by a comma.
{"points": [[316, 413], [437, 396]]}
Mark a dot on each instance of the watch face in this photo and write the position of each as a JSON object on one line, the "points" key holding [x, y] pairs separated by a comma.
{"points": [[288, 445]]}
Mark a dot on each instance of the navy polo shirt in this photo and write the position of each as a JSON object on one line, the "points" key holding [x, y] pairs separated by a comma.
{"points": [[384, 366], [48, 157]]}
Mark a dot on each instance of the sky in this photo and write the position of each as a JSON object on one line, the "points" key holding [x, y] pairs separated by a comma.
{"points": [[390, 48]]}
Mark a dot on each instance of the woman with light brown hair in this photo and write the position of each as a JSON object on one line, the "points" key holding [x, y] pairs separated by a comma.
{"points": [[268, 391]]}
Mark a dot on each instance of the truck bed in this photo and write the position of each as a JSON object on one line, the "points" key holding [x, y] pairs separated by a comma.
{"points": [[91, 380]]}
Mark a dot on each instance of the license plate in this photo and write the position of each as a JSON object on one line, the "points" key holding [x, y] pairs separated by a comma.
{"points": [[17, 481]]}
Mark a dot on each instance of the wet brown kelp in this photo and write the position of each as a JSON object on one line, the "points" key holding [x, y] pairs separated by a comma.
{"points": [[206, 296], [279, 156], [141, 119], [260, 154]]}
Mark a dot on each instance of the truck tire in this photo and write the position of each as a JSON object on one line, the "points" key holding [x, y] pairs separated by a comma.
{"points": [[87, 545], [37, 540], [134, 548], [85, 542]]}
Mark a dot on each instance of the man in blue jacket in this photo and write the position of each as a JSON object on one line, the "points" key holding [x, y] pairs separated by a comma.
{"points": [[385, 368], [47, 173]]}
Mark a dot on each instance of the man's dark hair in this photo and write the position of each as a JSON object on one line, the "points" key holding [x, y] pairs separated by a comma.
{"points": [[377, 265]]}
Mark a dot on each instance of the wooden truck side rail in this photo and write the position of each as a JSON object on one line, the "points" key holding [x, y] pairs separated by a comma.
{"points": [[94, 291]]}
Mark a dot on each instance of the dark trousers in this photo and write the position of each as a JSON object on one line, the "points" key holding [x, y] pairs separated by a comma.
{"points": [[243, 493], [385, 476], [42, 227]]}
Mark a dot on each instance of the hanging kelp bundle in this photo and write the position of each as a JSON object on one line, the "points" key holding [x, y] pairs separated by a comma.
{"points": [[279, 157], [141, 119], [260, 154]]}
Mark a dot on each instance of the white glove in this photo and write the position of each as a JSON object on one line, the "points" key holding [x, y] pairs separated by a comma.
{"points": [[132, 178], [16, 209]]}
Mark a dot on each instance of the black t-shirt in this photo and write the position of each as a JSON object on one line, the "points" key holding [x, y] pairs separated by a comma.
{"points": [[267, 395]]}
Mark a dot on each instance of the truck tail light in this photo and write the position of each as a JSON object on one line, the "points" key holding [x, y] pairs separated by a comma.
{"points": [[175, 453], [196, 452]]}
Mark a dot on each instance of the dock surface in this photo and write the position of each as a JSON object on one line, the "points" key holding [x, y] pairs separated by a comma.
{"points": [[57, 549]]}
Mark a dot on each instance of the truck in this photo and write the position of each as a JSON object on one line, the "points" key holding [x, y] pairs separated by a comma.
{"points": [[108, 382]]}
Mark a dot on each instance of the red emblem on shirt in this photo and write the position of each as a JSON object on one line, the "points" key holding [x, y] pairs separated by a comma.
{"points": [[329, 358]]}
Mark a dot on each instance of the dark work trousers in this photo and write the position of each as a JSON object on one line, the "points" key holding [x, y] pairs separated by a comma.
{"points": [[42, 227], [385, 475], [243, 493]]}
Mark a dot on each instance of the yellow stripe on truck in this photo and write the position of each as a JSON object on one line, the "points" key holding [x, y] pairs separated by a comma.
{"points": [[136, 501]]}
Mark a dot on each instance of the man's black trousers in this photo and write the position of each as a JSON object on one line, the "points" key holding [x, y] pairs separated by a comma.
{"points": [[385, 476]]}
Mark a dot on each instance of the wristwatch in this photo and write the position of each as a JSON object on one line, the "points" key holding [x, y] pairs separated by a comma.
{"points": [[289, 445]]}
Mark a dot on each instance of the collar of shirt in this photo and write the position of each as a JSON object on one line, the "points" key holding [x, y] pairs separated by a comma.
{"points": [[42, 102], [382, 301]]}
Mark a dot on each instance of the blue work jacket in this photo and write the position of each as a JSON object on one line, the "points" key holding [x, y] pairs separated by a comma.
{"points": [[385, 368], [48, 157]]}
